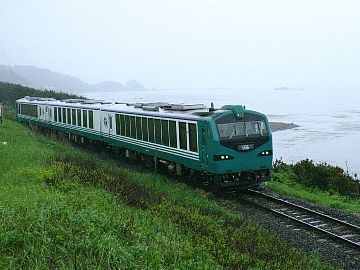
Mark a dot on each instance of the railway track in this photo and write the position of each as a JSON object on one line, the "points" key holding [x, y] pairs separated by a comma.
{"points": [[332, 227]]}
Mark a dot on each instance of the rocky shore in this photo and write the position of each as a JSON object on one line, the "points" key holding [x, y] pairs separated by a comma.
{"points": [[278, 126]]}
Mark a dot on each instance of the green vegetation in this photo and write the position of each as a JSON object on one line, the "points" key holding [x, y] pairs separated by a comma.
{"points": [[318, 183], [62, 207], [9, 93]]}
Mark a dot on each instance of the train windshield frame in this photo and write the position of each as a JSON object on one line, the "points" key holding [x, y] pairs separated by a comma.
{"points": [[251, 130], [242, 129]]}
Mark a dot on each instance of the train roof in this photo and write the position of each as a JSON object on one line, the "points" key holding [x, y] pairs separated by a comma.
{"points": [[159, 109]]}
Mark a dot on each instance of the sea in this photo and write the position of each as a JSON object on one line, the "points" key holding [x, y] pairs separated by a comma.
{"points": [[328, 120]]}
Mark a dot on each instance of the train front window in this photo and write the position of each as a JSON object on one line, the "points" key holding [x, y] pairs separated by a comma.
{"points": [[251, 130], [242, 129]]}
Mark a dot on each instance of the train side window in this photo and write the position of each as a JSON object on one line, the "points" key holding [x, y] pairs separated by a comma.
{"points": [[73, 117], [172, 134], [127, 125], [64, 115], [29, 110], [79, 117], [151, 130], [138, 128], [24, 109], [55, 114], [183, 137], [165, 132], [68, 116], [85, 118], [133, 127], [157, 131], [193, 137], [122, 125], [91, 119], [59, 114], [144, 125], [117, 124]]}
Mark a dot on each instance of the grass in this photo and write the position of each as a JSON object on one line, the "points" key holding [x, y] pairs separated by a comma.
{"points": [[283, 182], [64, 208]]}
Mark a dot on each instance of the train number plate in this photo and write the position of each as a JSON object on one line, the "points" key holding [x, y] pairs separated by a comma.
{"points": [[245, 147]]}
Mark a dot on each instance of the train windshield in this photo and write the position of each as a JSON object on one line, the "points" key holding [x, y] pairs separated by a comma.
{"points": [[238, 129]]}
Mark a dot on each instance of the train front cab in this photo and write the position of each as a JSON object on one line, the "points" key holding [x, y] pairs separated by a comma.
{"points": [[240, 149]]}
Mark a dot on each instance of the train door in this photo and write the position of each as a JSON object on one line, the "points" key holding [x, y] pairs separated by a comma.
{"points": [[107, 126], [203, 145], [41, 112], [48, 113], [110, 119]]}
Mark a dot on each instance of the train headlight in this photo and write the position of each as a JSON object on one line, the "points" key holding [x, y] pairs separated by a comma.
{"points": [[223, 157], [265, 153]]}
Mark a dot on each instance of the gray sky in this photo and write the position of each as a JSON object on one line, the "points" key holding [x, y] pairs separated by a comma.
{"points": [[188, 44]]}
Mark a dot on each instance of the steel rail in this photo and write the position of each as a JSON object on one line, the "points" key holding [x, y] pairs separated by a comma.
{"points": [[315, 214]]}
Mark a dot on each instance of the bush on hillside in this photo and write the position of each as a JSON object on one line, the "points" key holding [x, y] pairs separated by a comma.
{"points": [[9, 93], [316, 175]]}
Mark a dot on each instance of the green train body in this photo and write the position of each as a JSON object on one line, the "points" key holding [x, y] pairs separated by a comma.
{"points": [[227, 147]]}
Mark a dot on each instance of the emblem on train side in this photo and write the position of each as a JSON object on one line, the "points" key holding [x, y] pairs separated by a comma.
{"points": [[105, 122]]}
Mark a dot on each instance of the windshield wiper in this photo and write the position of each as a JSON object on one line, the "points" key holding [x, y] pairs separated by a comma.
{"points": [[232, 134], [260, 129]]}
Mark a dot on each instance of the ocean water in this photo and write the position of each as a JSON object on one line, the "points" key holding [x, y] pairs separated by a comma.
{"points": [[329, 121]]}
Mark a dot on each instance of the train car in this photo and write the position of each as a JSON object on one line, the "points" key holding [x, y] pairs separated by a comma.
{"points": [[226, 147]]}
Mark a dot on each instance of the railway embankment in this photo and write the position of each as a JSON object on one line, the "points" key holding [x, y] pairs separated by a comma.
{"points": [[62, 207]]}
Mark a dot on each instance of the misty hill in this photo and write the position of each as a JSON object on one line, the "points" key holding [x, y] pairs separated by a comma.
{"points": [[11, 77], [134, 85], [42, 78], [109, 86], [46, 79]]}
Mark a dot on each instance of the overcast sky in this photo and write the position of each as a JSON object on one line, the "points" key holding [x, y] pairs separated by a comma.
{"points": [[188, 43]]}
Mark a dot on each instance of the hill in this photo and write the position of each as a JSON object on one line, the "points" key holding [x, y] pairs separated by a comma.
{"points": [[11, 77], [43, 78], [110, 86], [46, 79]]}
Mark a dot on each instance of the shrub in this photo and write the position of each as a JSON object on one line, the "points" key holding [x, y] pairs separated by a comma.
{"points": [[315, 175]]}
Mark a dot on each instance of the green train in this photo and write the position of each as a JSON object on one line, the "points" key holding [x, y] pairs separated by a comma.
{"points": [[226, 147]]}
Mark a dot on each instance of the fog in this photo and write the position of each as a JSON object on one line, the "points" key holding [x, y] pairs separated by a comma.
{"points": [[189, 44]]}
